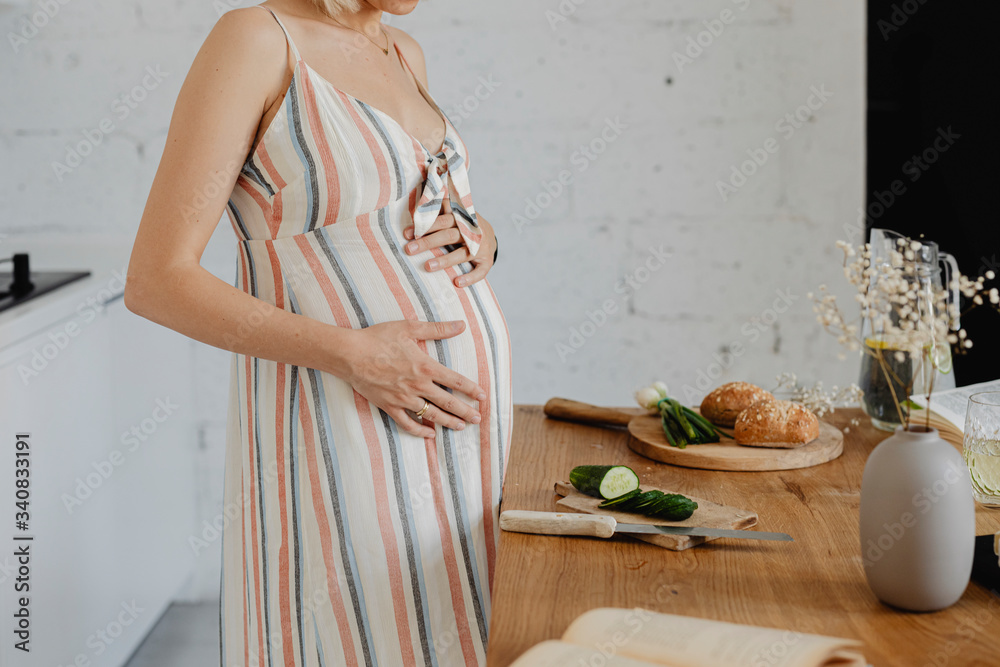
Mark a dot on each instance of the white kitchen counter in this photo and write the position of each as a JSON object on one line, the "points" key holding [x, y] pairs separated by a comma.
{"points": [[108, 400], [107, 261]]}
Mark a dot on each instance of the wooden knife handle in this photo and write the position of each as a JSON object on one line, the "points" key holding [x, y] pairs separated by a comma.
{"points": [[557, 523], [575, 411]]}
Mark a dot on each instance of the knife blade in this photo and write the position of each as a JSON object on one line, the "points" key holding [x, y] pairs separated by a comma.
{"points": [[603, 525], [701, 531]]}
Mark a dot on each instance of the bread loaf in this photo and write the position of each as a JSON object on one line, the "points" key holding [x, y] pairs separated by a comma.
{"points": [[776, 424], [724, 404]]}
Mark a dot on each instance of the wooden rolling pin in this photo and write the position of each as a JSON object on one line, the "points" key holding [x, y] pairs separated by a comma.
{"points": [[575, 411]]}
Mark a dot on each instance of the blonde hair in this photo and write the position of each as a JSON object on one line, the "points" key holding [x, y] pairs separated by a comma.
{"points": [[335, 7]]}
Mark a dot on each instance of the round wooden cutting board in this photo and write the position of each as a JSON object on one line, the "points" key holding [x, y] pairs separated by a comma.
{"points": [[648, 440]]}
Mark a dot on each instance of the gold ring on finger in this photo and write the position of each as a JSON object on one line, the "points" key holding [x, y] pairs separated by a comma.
{"points": [[424, 409]]}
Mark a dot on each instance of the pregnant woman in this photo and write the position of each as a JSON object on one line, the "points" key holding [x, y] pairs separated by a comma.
{"points": [[370, 408]]}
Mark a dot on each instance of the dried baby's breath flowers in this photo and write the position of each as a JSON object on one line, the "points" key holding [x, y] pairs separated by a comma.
{"points": [[816, 399]]}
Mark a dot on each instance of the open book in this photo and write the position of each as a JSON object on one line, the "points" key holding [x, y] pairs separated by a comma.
{"points": [[643, 638], [948, 409]]}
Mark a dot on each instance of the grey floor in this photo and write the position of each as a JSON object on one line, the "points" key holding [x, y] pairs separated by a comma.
{"points": [[187, 635]]}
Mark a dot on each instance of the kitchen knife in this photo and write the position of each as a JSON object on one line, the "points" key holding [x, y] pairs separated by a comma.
{"points": [[603, 525]]}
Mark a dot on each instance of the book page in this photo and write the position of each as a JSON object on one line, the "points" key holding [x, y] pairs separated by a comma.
{"points": [[951, 405], [682, 641], [560, 654]]}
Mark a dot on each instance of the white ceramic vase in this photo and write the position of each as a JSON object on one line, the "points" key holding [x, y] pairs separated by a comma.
{"points": [[918, 521]]}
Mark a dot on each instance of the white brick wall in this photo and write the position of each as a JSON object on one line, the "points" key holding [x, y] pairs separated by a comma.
{"points": [[654, 185]]}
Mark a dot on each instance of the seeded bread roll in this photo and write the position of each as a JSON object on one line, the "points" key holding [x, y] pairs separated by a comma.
{"points": [[725, 403], [776, 424]]}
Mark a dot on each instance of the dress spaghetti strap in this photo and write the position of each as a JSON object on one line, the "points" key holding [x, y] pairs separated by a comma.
{"points": [[288, 38]]}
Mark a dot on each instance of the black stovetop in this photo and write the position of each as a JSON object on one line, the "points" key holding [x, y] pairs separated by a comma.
{"points": [[43, 281]]}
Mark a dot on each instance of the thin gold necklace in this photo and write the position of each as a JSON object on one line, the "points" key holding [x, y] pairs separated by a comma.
{"points": [[384, 50]]}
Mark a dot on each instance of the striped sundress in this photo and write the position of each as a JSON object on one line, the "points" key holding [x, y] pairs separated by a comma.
{"points": [[349, 541]]}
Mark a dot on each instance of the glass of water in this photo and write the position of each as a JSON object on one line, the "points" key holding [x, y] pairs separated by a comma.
{"points": [[982, 446]]}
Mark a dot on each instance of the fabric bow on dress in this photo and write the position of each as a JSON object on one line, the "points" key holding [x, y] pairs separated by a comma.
{"points": [[447, 177]]}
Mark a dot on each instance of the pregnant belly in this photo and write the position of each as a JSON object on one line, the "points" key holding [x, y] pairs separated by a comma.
{"points": [[355, 274]]}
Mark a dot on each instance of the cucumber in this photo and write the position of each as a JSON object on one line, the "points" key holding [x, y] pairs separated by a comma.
{"points": [[673, 507], [628, 505], [619, 488], [664, 503], [645, 501], [604, 481], [621, 500]]}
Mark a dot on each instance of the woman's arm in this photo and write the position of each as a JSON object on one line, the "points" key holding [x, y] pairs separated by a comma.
{"points": [[232, 81], [240, 70]]}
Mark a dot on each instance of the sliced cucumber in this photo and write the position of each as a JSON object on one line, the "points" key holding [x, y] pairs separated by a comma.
{"points": [[604, 481], [673, 507], [629, 504], [620, 500], [666, 502], [648, 499], [618, 486]]}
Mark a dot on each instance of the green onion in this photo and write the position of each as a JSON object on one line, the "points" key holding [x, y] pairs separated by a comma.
{"points": [[683, 426], [678, 442], [683, 421]]}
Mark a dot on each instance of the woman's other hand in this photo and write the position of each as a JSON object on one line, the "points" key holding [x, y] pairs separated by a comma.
{"points": [[444, 232]]}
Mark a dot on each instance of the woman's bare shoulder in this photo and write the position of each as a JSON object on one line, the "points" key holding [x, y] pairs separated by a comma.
{"points": [[245, 51], [411, 51], [248, 30], [245, 30]]}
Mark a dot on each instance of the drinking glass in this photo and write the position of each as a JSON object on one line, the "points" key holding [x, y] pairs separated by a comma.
{"points": [[981, 446]]}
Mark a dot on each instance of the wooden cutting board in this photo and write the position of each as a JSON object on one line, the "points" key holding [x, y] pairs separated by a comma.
{"points": [[648, 440], [708, 514]]}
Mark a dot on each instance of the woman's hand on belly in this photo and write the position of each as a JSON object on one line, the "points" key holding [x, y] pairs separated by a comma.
{"points": [[387, 367], [444, 232]]}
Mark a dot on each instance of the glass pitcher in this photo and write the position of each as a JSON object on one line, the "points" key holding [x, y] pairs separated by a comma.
{"points": [[907, 376]]}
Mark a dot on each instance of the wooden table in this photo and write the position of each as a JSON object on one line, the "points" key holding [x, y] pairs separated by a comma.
{"points": [[815, 584]]}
